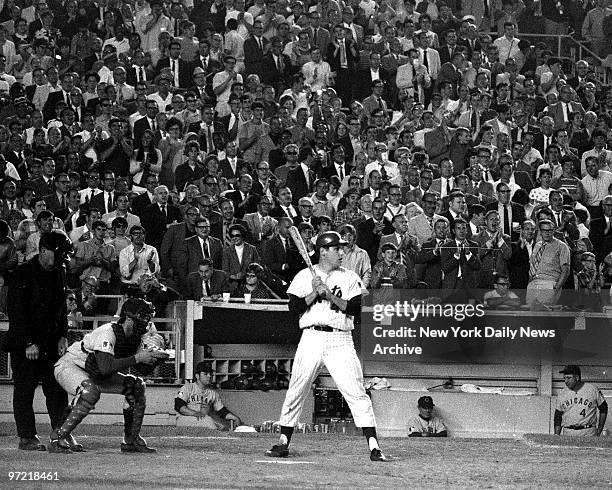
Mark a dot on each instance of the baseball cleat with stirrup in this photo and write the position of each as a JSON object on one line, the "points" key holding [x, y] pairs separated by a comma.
{"points": [[278, 451]]}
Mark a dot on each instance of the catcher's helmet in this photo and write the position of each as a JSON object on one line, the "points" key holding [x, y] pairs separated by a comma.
{"points": [[329, 239], [140, 311], [57, 242]]}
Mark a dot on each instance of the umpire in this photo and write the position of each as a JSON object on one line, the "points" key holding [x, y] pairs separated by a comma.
{"points": [[37, 334]]}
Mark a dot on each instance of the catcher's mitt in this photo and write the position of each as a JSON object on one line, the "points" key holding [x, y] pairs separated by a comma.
{"points": [[152, 341]]}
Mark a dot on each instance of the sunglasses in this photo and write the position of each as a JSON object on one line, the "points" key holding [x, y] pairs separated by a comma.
{"points": [[236, 236]]}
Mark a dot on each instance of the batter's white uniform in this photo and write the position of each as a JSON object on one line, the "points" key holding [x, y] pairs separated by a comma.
{"points": [[334, 349], [579, 409]]}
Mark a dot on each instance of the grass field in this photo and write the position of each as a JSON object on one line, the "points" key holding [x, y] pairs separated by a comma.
{"points": [[227, 460]]}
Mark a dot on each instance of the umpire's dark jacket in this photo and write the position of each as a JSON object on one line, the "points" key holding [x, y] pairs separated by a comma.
{"points": [[36, 309]]}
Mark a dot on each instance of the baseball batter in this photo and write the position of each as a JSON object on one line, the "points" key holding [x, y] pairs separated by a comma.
{"points": [[327, 304], [199, 398], [577, 406], [92, 366]]}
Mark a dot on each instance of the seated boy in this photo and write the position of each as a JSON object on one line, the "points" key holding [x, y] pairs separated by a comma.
{"points": [[201, 400], [425, 424]]}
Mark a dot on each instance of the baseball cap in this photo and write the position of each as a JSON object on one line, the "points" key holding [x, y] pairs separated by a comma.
{"points": [[426, 402], [198, 70], [204, 367], [571, 369], [329, 239]]}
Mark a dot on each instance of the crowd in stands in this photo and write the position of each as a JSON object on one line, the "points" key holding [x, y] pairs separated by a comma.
{"points": [[176, 143]]}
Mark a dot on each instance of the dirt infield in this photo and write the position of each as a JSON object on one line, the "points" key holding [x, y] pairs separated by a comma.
{"points": [[226, 460]]}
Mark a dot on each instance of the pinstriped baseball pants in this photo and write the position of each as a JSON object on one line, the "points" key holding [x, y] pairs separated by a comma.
{"points": [[334, 350]]}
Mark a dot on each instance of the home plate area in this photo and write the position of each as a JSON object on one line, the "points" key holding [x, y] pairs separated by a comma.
{"points": [[229, 460]]}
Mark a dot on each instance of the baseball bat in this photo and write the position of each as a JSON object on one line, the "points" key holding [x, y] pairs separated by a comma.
{"points": [[301, 246]]}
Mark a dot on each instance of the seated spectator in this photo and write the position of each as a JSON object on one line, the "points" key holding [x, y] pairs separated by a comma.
{"points": [[389, 270], [238, 256], [426, 424], [86, 302], [201, 400], [501, 296], [253, 284], [207, 282], [589, 281], [150, 289]]}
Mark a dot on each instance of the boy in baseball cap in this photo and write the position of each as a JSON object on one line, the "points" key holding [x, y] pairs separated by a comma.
{"points": [[426, 424]]}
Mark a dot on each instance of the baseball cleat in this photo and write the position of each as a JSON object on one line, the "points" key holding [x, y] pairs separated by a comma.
{"points": [[278, 451], [138, 446], [31, 444], [59, 446], [377, 455], [75, 447]]}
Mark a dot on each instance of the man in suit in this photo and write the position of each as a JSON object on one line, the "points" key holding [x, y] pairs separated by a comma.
{"points": [[284, 207], [61, 95], [444, 185], [601, 231], [157, 216], [206, 282], [274, 251], [45, 184], [220, 228], [198, 247], [459, 262], [172, 245], [245, 201], [375, 102], [477, 185], [10, 201], [147, 122], [59, 199], [255, 48], [456, 210], [342, 56], [230, 165], [561, 111], [234, 265], [405, 243], [276, 67], [494, 250], [338, 166], [319, 36], [541, 140], [430, 59], [105, 200], [145, 199], [301, 178], [518, 263], [181, 69], [354, 30], [521, 126], [138, 72], [370, 231], [260, 224], [374, 73], [415, 193], [511, 214], [390, 63], [428, 268]]}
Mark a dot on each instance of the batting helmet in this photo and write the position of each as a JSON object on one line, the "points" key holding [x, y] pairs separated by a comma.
{"points": [[329, 239]]}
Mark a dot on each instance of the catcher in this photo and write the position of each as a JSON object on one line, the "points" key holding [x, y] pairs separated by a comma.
{"points": [[198, 398], [93, 366]]}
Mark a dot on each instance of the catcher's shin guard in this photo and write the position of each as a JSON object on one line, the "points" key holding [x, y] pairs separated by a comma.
{"points": [[128, 416], [134, 391], [85, 402]]}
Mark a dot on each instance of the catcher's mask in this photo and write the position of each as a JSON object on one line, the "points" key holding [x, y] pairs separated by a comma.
{"points": [[139, 311]]}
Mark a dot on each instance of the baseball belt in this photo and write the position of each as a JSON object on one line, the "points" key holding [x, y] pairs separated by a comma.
{"points": [[323, 328], [579, 427]]}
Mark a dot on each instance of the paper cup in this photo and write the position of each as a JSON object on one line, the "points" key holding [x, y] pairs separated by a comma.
{"points": [[247, 298], [226, 297]]}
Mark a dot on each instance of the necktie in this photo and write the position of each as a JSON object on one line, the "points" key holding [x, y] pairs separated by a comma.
{"points": [[380, 103], [314, 39], [153, 126], [342, 54], [176, 29], [228, 240], [63, 203], [448, 187], [142, 74], [205, 250], [507, 229], [383, 172], [163, 210], [109, 203], [425, 61], [209, 140], [207, 285], [402, 254], [260, 44], [608, 226], [91, 196], [535, 262], [430, 221], [341, 172]]}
